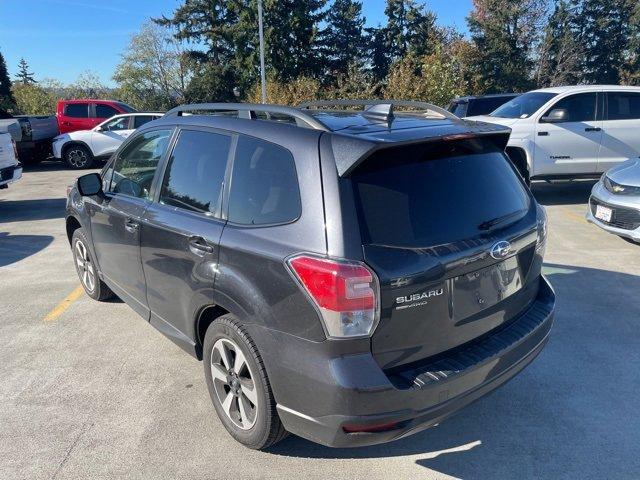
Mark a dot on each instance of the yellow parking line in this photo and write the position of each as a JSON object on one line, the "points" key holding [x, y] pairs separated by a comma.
{"points": [[64, 304], [574, 216]]}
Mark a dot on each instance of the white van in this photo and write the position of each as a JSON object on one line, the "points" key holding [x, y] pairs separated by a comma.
{"points": [[10, 168], [571, 132]]}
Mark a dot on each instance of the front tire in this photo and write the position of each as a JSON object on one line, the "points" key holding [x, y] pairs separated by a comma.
{"points": [[239, 386], [86, 268], [78, 157]]}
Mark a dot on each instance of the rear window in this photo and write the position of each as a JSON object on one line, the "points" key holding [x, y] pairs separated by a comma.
{"points": [[77, 110], [431, 195]]}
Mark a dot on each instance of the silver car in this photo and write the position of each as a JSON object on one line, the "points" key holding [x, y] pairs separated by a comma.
{"points": [[614, 205]]}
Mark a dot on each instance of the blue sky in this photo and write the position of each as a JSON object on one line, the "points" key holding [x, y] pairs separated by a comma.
{"points": [[62, 38]]}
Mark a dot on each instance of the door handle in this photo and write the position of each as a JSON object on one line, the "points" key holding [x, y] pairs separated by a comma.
{"points": [[199, 246], [131, 226], [592, 129], [543, 134]]}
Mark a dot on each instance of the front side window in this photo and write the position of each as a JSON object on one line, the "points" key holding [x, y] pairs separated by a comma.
{"points": [[105, 111], [264, 184], [116, 124], [580, 108], [77, 110], [523, 106], [195, 172], [136, 165], [623, 106]]}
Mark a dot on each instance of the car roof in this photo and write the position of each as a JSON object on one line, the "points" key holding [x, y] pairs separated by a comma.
{"points": [[355, 133], [587, 88]]}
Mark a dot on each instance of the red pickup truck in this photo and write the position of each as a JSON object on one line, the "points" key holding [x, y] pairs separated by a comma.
{"points": [[87, 113]]}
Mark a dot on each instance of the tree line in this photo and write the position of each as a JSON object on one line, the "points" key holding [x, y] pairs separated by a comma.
{"points": [[207, 50]]}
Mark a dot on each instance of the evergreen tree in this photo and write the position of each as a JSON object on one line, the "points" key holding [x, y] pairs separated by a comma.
{"points": [[378, 59], [605, 33], [410, 28], [342, 40], [505, 33], [24, 76], [561, 58], [6, 97], [292, 37]]}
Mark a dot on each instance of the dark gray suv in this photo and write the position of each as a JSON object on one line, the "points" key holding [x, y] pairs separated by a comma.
{"points": [[351, 275]]}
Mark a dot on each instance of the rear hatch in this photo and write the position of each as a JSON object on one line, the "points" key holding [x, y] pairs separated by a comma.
{"points": [[451, 232]]}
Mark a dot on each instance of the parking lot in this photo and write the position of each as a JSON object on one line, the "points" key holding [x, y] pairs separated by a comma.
{"points": [[89, 390]]}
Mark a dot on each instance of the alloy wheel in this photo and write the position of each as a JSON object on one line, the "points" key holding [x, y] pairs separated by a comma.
{"points": [[77, 158], [86, 270], [234, 383]]}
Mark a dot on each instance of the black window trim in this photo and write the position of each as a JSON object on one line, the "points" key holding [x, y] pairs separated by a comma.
{"points": [[230, 180], [220, 213], [161, 162]]}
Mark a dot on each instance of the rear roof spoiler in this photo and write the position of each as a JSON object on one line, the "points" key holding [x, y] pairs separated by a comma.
{"points": [[350, 151]]}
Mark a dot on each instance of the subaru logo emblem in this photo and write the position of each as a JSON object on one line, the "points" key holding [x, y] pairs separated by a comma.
{"points": [[500, 250]]}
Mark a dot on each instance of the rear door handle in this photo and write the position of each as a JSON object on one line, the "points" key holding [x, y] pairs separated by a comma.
{"points": [[543, 134], [199, 246], [131, 226], [592, 129]]}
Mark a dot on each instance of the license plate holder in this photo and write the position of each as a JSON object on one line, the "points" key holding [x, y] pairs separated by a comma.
{"points": [[603, 213]]}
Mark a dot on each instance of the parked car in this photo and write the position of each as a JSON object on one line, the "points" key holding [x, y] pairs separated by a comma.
{"points": [[32, 133], [10, 168], [320, 262], [85, 114], [571, 132], [478, 105], [614, 205], [81, 149]]}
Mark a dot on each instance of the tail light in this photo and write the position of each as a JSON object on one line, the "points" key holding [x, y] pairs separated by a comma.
{"points": [[346, 294], [542, 230], [15, 148]]}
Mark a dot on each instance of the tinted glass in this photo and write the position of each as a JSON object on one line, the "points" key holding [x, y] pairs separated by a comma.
{"points": [[580, 108], [264, 184], [126, 108], [484, 106], [425, 196], [523, 106], [77, 110], [140, 120], [136, 165], [116, 124], [459, 109], [195, 173], [105, 111], [623, 106]]}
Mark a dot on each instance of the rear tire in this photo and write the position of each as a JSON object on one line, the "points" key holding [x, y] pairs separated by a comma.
{"points": [[78, 157], [86, 268], [30, 159], [241, 394]]}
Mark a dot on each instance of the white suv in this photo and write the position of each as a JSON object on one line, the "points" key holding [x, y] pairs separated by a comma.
{"points": [[10, 168], [571, 132], [82, 148]]}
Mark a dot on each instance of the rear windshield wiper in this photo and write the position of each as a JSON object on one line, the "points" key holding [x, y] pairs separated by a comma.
{"points": [[489, 224]]}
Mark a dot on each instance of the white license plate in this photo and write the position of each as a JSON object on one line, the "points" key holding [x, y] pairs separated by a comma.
{"points": [[603, 213]]}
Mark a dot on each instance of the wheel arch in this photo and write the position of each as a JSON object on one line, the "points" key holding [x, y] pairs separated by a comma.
{"points": [[73, 143], [72, 224], [204, 319], [518, 156]]}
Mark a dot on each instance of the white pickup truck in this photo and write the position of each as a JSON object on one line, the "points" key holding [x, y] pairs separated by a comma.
{"points": [[571, 132], [10, 168]]}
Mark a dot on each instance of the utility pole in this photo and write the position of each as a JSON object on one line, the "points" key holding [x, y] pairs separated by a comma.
{"points": [[263, 79]]}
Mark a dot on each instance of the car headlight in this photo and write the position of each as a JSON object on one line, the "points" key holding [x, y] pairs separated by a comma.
{"points": [[618, 188]]}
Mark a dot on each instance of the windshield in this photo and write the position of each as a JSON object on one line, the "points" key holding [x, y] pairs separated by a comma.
{"points": [[424, 196], [523, 106], [127, 108]]}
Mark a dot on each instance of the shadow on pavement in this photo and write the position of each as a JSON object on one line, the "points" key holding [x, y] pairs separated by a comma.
{"points": [[46, 166], [14, 248], [23, 210], [571, 414], [563, 193]]}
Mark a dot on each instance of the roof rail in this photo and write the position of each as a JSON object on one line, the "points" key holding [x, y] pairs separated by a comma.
{"points": [[248, 111], [379, 107]]}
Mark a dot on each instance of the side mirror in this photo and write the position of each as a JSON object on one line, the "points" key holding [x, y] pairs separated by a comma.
{"points": [[89, 185], [556, 115], [99, 129]]}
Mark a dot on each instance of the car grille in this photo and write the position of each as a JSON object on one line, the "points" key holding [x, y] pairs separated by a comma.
{"points": [[624, 218]]}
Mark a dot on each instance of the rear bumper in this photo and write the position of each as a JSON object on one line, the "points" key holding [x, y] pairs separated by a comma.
{"points": [[352, 394], [10, 174]]}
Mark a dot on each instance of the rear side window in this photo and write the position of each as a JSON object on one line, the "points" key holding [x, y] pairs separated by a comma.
{"points": [[459, 109], [77, 110], [264, 184], [623, 106], [425, 196], [195, 173], [105, 111], [139, 120], [580, 108]]}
